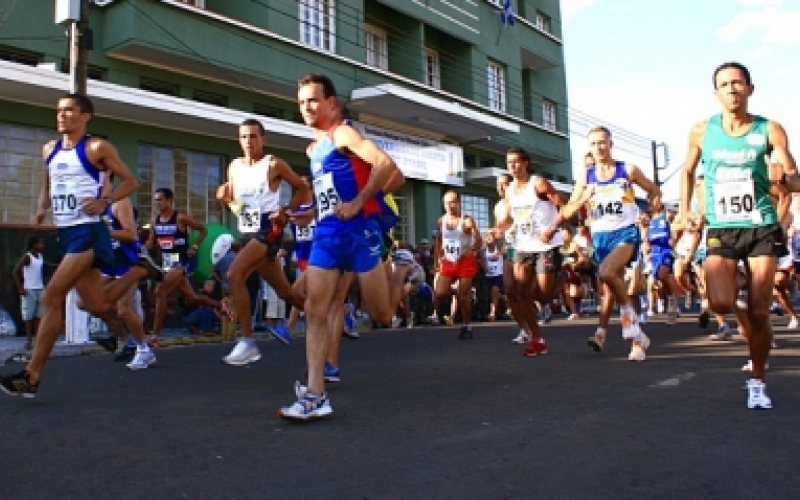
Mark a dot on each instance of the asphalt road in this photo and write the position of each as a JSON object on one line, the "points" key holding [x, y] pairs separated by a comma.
{"points": [[417, 415]]}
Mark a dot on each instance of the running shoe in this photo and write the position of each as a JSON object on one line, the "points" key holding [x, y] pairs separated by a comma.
{"points": [[349, 318], [522, 338], [639, 348], [703, 319], [108, 343], [573, 317], [741, 299], [537, 347], [466, 333], [630, 327], [757, 395], [126, 355], [243, 353], [332, 374], [672, 311], [144, 359], [351, 334], [748, 367], [724, 333], [793, 323], [144, 260], [307, 407], [281, 333], [19, 384], [598, 340], [227, 309]]}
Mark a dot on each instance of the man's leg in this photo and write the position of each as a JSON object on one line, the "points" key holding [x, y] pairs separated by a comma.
{"points": [[761, 272], [321, 287], [171, 280], [335, 327]]}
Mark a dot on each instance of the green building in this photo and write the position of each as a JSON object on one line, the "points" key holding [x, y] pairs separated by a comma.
{"points": [[442, 85]]}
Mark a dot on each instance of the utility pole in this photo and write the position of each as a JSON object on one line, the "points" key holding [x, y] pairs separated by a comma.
{"points": [[82, 55], [654, 152], [75, 14]]}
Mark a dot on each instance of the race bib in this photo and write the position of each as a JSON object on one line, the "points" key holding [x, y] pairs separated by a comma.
{"points": [[250, 215], [304, 233], [166, 242], [523, 222], [734, 201], [170, 261], [326, 194], [451, 248], [64, 199]]}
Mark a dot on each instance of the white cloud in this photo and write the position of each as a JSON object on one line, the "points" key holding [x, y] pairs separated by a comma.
{"points": [[570, 8], [772, 20]]}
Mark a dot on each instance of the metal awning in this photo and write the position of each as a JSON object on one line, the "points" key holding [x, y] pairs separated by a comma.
{"points": [[531, 60], [416, 109], [43, 87]]}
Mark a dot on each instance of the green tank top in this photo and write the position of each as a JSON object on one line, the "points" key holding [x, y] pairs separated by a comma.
{"points": [[736, 176]]}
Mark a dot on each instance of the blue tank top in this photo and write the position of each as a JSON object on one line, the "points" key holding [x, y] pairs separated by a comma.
{"points": [[338, 178], [659, 232], [129, 249]]}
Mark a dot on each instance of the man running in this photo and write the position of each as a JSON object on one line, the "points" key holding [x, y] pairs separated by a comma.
{"points": [[608, 189], [170, 234], [253, 195], [73, 189], [532, 206], [741, 219], [348, 173], [457, 243]]}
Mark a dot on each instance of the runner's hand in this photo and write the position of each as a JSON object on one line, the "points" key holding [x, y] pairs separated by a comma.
{"points": [[303, 218], [38, 218], [347, 210], [93, 206], [547, 234]]}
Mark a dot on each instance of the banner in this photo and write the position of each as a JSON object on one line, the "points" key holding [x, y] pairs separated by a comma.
{"points": [[417, 157]]}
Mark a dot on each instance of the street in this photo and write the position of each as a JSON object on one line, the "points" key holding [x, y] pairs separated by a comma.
{"points": [[418, 414]]}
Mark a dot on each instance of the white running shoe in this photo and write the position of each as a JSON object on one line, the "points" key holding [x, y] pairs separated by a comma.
{"points": [[307, 406], [793, 323], [522, 338], [724, 333], [638, 348], [396, 321], [748, 367], [597, 341], [243, 353], [142, 360], [629, 321], [757, 395], [572, 317]]}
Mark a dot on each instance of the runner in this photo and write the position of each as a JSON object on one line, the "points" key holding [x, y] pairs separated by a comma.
{"points": [[170, 233], [348, 173], [457, 242], [658, 235], [532, 205], [31, 269], [741, 218], [493, 264], [252, 193], [73, 188], [608, 188]]}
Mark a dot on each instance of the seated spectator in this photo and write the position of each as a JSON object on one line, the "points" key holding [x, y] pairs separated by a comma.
{"points": [[202, 319]]}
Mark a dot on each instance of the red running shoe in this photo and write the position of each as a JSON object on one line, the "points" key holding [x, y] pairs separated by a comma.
{"points": [[537, 347]]}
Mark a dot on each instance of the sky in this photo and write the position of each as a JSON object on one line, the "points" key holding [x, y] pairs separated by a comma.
{"points": [[646, 66]]}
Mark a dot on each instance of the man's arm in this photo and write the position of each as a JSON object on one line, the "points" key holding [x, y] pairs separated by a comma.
{"points": [[693, 154], [25, 261], [283, 171], [383, 167], [187, 220], [437, 245], [123, 210], [396, 181], [102, 153], [581, 193], [653, 192], [44, 203]]}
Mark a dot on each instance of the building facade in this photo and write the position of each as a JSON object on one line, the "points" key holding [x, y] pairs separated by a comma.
{"points": [[444, 86]]}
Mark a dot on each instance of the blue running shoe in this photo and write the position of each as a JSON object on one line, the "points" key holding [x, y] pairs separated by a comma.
{"points": [[281, 333], [349, 318], [332, 373]]}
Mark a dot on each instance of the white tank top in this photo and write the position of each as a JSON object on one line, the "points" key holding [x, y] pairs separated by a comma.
{"points": [[251, 187], [454, 241], [32, 273], [613, 202], [532, 216], [494, 263], [73, 179]]}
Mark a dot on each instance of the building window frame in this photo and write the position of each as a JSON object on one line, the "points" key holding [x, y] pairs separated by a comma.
{"points": [[477, 207], [433, 68], [160, 86], [211, 98], [549, 114], [496, 85], [317, 20], [542, 22], [376, 43]]}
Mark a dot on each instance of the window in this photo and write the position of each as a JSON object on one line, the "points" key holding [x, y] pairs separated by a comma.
{"points": [[210, 98], [496, 3], [469, 161], [19, 56], [476, 207], [487, 163], [432, 72], [542, 22], [549, 114], [268, 110], [191, 175], [376, 45], [196, 3], [95, 73], [317, 27], [21, 168], [496, 82], [159, 86], [404, 230]]}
